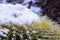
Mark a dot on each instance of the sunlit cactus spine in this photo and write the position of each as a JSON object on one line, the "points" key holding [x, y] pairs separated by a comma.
{"points": [[44, 30]]}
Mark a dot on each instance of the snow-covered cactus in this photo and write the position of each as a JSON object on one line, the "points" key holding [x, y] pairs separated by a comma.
{"points": [[23, 24]]}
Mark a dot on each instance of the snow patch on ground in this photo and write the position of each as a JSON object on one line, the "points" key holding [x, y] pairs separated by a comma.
{"points": [[17, 14]]}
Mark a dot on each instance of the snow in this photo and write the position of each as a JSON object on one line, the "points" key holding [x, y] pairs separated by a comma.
{"points": [[4, 32], [33, 8], [17, 14], [26, 1], [34, 31]]}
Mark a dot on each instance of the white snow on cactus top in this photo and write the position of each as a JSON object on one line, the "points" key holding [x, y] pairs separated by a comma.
{"points": [[17, 14]]}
